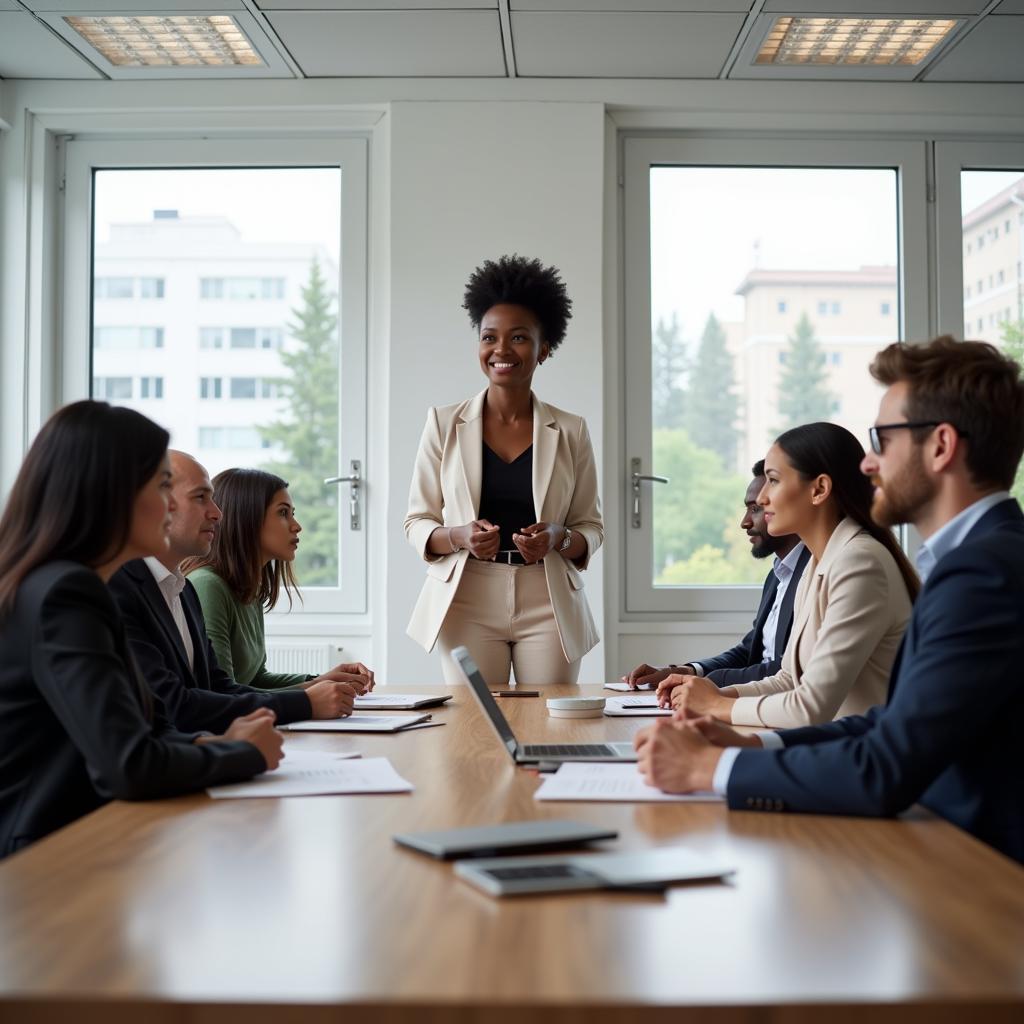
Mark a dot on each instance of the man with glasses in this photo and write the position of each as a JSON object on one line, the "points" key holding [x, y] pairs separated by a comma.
{"points": [[945, 449]]}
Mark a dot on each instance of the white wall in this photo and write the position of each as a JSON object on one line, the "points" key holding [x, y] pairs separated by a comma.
{"points": [[472, 181]]}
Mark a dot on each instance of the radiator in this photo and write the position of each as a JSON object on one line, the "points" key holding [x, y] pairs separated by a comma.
{"points": [[309, 658]]}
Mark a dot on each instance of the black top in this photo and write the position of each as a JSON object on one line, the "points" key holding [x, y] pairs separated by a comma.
{"points": [[506, 494], [203, 697], [77, 724]]}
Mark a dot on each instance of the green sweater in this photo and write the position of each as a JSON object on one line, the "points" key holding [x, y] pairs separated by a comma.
{"points": [[236, 633]]}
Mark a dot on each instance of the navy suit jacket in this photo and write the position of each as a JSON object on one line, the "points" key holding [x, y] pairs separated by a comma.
{"points": [[950, 734], [742, 663], [204, 697]]}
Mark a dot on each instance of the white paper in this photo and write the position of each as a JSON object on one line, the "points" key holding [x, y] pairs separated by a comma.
{"points": [[608, 782], [645, 706], [331, 775], [625, 688], [375, 700], [308, 756], [356, 723]]}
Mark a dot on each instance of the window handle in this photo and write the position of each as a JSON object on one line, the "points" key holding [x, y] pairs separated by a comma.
{"points": [[354, 480], [637, 478]]}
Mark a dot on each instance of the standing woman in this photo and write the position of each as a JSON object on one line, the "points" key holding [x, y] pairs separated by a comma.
{"points": [[853, 602], [249, 564], [503, 504], [78, 726]]}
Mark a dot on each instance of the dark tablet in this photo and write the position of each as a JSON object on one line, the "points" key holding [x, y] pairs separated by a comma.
{"points": [[511, 837]]}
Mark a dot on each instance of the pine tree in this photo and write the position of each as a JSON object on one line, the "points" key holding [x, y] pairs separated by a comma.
{"points": [[711, 405], [803, 395], [668, 365], [307, 436]]}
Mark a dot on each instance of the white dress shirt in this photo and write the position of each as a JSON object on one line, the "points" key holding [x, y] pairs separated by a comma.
{"points": [[171, 585], [945, 539]]}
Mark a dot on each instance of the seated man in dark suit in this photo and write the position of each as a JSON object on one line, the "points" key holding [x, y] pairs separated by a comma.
{"points": [[759, 653], [948, 440], [167, 637]]}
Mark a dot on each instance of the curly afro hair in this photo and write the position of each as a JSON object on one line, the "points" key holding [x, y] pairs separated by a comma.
{"points": [[519, 281]]}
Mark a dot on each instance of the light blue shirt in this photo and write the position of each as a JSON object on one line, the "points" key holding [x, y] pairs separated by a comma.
{"points": [[947, 538], [783, 569]]}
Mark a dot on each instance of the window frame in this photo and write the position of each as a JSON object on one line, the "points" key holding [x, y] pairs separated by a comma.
{"points": [[85, 155], [638, 597]]}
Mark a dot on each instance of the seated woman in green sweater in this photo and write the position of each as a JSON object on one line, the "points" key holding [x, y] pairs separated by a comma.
{"points": [[243, 575]]}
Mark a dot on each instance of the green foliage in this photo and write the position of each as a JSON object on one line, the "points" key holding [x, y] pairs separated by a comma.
{"points": [[803, 393], [307, 435], [668, 367], [1013, 345], [712, 405], [697, 538]]}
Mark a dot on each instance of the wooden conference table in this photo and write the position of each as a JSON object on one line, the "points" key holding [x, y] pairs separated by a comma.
{"points": [[194, 911]]}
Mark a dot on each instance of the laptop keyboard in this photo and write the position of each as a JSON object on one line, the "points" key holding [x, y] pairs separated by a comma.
{"points": [[568, 750]]}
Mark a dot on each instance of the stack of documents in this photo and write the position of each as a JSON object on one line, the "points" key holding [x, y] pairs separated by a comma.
{"points": [[311, 773], [624, 687], [357, 723], [608, 782], [644, 706]]}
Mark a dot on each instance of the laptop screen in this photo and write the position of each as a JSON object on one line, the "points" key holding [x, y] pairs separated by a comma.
{"points": [[483, 694]]}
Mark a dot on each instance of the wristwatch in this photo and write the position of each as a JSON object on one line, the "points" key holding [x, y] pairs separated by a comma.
{"points": [[566, 540]]}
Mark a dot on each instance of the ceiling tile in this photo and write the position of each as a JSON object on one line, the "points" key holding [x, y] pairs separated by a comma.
{"points": [[631, 6], [30, 50], [393, 44], [9, 5], [375, 5], [993, 52], [1010, 7], [618, 45], [875, 8]]}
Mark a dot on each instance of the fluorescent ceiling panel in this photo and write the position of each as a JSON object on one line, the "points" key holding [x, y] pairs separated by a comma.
{"points": [[161, 41], [875, 8], [853, 42]]}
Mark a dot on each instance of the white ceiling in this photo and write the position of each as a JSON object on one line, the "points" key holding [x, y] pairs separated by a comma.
{"points": [[668, 39]]}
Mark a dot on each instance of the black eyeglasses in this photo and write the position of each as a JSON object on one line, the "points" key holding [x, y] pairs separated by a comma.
{"points": [[874, 433]]}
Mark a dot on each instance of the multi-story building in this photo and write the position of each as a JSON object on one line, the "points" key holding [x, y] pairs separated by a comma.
{"points": [[994, 264], [853, 313], [189, 321]]}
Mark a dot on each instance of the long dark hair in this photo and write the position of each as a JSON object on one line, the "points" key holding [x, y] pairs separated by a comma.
{"points": [[827, 449], [76, 489], [244, 495]]}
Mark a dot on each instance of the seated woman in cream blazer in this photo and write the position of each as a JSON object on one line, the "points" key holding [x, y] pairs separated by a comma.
{"points": [[854, 599], [503, 504]]}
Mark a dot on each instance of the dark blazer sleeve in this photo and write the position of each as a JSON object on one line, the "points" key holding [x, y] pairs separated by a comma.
{"points": [[956, 678], [739, 657], [86, 681]]}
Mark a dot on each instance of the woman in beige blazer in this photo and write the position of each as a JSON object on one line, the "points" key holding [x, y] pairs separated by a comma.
{"points": [[503, 504], [854, 599]]}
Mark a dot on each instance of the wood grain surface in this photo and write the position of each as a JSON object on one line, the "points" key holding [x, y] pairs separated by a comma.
{"points": [[194, 910]]}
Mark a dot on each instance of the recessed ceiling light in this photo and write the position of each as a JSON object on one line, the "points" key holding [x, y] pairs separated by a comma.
{"points": [[156, 41], [853, 41]]}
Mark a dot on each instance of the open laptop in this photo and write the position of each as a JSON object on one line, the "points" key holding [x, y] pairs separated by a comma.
{"points": [[532, 753]]}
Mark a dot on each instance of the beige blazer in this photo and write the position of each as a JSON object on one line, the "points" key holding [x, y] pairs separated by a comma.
{"points": [[850, 612], [445, 491]]}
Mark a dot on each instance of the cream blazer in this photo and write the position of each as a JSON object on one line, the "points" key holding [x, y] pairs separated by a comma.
{"points": [[445, 491], [850, 612]]}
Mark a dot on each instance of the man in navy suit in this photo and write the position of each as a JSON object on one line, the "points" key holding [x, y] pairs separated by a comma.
{"points": [[167, 636], [759, 653], [945, 449]]}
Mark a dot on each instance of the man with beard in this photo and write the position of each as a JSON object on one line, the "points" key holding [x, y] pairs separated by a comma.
{"points": [[759, 653], [944, 451]]}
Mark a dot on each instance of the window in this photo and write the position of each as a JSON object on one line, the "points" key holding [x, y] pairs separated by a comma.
{"points": [[1002, 276], [269, 389], [112, 389], [127, 338], [722, 377], [210, 387], [211, 337], [151, 287], [151, 387], [981, 241], [231, 437], [270, 337], [114, 287], [781, 306], [886, 308], [241, 289], [243, 387], [211, 287]]}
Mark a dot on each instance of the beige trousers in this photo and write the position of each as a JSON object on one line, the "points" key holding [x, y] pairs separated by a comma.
{"points": [[502, 614]]}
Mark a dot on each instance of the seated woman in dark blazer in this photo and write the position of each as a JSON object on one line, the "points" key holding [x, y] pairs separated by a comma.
{"points": [[78, 726]]}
